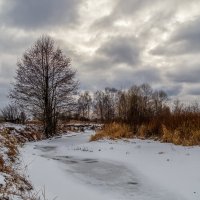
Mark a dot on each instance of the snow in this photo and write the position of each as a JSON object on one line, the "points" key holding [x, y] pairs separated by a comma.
{"points": [[2, 179], [70, 166], [12, 125]]}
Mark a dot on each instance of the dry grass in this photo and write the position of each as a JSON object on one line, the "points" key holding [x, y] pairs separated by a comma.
{"points": [[179, 130], [113, 131], [182, 129], [186, 136], [1, 163], [148, 130], [16, 184]]}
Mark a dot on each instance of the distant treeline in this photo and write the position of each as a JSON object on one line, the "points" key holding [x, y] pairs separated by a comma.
{"points": [[138, 104], [146, 112]]}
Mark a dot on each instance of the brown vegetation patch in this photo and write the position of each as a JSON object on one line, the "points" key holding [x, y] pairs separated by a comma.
{"points": [[182, 129], [113, 131], [15, 184]]}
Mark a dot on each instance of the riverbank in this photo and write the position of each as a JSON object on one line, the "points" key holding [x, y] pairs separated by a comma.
{"points": [[14, 184]]}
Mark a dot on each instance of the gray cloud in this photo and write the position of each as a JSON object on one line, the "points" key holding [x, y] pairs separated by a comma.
{"points": [[159, 13], [173, 90], [105, 22], [4, 100], [12, 43], [148, 75], [106, 60], [188, 31], [7, 70], [184, 40], [126, 77], [115, 64], [31, 14], [133, 7], [97, 63], [120, 77], [186, 74], [121, 50], [194, 91]]}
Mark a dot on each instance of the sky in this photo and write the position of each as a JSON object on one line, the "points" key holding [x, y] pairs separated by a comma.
{"points": [[112, 43]]}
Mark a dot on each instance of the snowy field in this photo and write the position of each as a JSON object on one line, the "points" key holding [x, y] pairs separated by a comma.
{"points": [[71, 167]]}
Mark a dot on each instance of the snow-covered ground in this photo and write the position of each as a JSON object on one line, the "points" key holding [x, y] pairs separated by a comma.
{"points": [[13, 184], [71, 167], [11, 125]]}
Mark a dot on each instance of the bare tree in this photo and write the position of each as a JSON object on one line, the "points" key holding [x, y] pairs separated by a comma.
{"points": [[122, 106], [45, 83], [159, 99], [110, 100], [98, 104], [84, 104], [10, 113], [105, 104]]}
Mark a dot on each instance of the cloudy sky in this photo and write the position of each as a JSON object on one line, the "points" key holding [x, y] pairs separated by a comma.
{"points": [[113, 43]]}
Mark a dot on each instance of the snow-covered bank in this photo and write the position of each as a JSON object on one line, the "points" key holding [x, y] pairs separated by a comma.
{"points": [[70, 167], [13, 183]]}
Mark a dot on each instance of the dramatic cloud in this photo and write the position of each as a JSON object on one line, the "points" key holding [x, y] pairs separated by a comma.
{"points": [[30, 14], [190, 74], [188, 31], [183, 40], [111, 42], [12, 42], [173, 90], [121, 50], [194, 91]]}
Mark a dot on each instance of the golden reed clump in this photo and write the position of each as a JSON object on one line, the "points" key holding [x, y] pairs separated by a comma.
{"points": [[174, 130], [113, 131]]}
